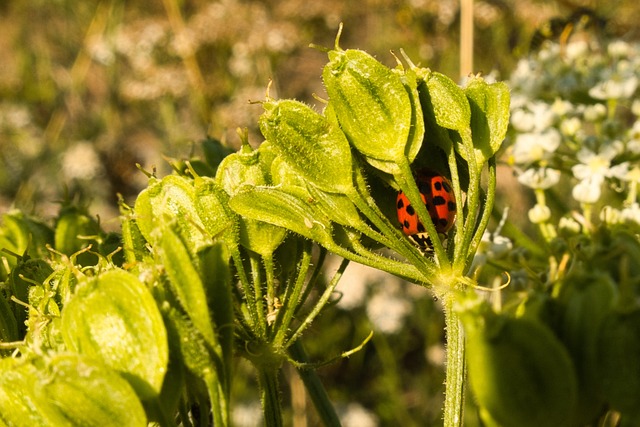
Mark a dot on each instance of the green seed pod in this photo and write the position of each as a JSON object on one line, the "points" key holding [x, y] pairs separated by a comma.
{"points": [[212, 205], [21, 233], [64, 391], [277, 207], [114, 318], [134, 244], [377, 108], [489, 116], [248, 168], [619, 361], [315, 148], [519, 371], [86, 393], [19, 404], [171, 199], [587, 298]]}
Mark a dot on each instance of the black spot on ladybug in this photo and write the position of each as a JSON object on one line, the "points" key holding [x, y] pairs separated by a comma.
{"points": [[400, 204], [442, 222], [451, 206], [410, 210], [439, 201], [405, 224], [438, 186]]}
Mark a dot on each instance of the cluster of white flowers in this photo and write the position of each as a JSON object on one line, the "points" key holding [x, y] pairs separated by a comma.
{"points": [[575, 123]]}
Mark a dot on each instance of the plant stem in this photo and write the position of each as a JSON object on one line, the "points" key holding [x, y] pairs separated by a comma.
{"points": [[270, 395], [456, 369], [314, 388]]}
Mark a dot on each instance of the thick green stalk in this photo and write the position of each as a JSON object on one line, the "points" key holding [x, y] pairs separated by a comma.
{"points": [[456, 369], [270, 395]]}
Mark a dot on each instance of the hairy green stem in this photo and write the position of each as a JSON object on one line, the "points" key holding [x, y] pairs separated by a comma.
{"points": [[270, 395], [456, 369], [314, 387]]}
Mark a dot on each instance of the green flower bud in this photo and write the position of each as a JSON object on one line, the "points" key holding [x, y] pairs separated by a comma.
{"points": [[75, 230], [519, 371]]}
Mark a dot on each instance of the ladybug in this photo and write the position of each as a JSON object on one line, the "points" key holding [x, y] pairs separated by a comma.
{"points": [[437, 194]]}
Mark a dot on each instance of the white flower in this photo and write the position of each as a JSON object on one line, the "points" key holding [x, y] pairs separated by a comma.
{"points": [[631, 214], [576, 49], [533, 147], [355, 415], [81, 161], [569, 225], [595, 112], [588, 190], [619, 48], [571, 126], [617, 87], [610, 215], [541, 179], [595, 165], [539, 213]]}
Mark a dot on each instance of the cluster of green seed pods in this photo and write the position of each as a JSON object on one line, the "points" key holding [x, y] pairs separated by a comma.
{"points": [[218, 258]]}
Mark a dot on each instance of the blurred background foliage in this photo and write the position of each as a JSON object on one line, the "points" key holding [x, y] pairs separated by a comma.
{"points": [[89, 89]]}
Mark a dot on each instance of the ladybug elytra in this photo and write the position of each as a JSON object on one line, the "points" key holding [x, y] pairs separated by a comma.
{"points": [[437, 195]]}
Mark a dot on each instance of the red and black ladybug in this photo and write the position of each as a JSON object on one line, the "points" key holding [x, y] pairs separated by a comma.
{"points": [[437, 194]]}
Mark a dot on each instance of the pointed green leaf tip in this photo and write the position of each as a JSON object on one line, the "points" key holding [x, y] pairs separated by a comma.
{"points": [[309, 143]]}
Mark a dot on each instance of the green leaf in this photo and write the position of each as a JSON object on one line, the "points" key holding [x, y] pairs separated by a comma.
{"points": [[114, 318], [185, 280]]}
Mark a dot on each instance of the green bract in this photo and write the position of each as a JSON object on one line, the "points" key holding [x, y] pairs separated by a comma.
{"points": [[113, 318]]}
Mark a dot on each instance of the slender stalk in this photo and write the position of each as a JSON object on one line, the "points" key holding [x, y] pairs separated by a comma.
{"points": [[314, 387], [456, 369]]}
